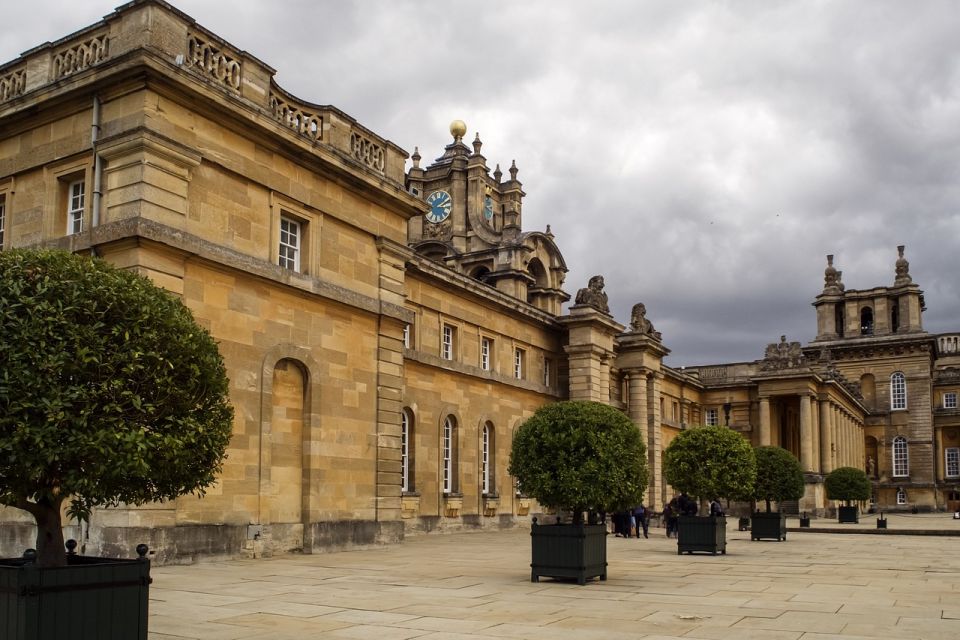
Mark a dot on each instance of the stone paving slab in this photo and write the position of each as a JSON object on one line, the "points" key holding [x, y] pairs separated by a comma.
{"points": [[476, 586]]}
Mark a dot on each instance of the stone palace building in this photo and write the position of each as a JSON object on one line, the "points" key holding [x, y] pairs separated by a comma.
{"points": [[385, 325]]}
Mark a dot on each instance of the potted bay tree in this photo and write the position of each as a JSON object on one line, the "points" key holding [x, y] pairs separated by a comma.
{"points": [[848, 484], [110, 393], [583, 459], [779, 478], [708, 463]]}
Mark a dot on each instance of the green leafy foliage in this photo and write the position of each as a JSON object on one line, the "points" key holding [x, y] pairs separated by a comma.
{"points": [[710, 462], [109, 390], [847, 483], [580, 456], [779, 475]]}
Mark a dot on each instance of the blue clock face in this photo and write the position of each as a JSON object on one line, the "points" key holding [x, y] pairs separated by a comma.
{"points": [[440, 205], [488, 208]]}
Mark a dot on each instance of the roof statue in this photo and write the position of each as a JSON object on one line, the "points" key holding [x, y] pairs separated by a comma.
{"points": [[593, 296], [640, 324]]}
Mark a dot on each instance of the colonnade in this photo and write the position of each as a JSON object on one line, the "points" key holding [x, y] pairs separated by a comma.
{"points": [[830, 435]]}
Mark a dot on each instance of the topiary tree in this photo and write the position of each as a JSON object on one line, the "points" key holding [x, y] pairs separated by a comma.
{"points": [[580, 456], [109, 392], [710, 462], [779, 475], [847, 484]]}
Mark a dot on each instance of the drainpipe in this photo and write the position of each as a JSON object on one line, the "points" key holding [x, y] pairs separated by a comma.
{"points": [[97, 166]]}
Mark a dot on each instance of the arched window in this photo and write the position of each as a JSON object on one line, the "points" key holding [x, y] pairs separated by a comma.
{"points": [[488, 467], [901, 496], [449, 449], [895, 316], [898, 391], [901, 457], [406, 450], [838, 319], [866, 321]]}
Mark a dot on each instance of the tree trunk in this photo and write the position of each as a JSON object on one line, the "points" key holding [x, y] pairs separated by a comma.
{"points": [[768, 505], [50, 549]]}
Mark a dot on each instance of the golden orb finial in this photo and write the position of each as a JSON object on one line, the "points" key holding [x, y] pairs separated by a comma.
{"points": [[458, 129]]}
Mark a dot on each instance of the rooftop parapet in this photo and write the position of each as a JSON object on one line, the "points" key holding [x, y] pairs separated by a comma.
{"points": [[157, 28]]}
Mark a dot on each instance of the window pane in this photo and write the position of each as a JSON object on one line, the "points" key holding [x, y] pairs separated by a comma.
{"points": [[901, 461], [289, 252], [953, 462]]}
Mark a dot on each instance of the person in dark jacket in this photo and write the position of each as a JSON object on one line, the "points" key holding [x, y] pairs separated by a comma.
{"points": [[642, 515]]}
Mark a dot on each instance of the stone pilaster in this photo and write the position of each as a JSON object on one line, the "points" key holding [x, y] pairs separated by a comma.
{"points": [[826, 442], [589, 346]]}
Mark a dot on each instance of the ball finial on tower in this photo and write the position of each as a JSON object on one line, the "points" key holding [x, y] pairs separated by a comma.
{"points": [[458, 129]]}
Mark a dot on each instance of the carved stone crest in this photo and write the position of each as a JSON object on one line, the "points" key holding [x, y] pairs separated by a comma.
{"points": [[782, 355]]}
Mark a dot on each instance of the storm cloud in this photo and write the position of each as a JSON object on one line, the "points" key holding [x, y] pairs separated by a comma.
{"points": [[703, 157]]}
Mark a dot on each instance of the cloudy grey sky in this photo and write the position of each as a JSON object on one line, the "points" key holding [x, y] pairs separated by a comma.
{"points": [[703, 156]]}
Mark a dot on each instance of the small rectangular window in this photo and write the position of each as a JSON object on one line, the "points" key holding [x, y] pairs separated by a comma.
{"points": [[950, 400], [446, 347], [76, 196], [290, 240], [676, 410], [547, 366], [518, 358], [406, 335], [712, 418], [485, 348], [952, 467]]}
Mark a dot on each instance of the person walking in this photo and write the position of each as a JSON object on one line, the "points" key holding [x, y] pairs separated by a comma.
{"points": [[642, 516]]}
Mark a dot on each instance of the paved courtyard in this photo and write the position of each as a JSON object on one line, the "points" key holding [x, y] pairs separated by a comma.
{"points": [[470, 586]]}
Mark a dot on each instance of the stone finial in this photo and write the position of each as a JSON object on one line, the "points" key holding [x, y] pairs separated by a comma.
{"points": [[902, 269], [513, 170], [640, 324], [549, 233], [416, 157], [831, 278], [593, 295], [477, 144], [497, 174]]}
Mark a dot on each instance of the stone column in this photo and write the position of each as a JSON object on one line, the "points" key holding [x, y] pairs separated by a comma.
{"points": [[806, 435], [764, 422], [826, 442], [637, 385], [835, 438], [605, 378], [815, 413]]}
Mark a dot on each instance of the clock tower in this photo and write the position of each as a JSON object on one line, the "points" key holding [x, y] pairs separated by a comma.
{"points": [[474, 225]]}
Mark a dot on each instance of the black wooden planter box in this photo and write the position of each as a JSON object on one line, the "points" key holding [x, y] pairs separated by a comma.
{"points": [[707, 534], [770, 526], [848, 515], [89, 599], [568, 551]]}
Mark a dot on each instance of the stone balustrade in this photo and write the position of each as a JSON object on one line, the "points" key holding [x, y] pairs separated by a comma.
{"points": [[176, 43], [948, 344]]}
